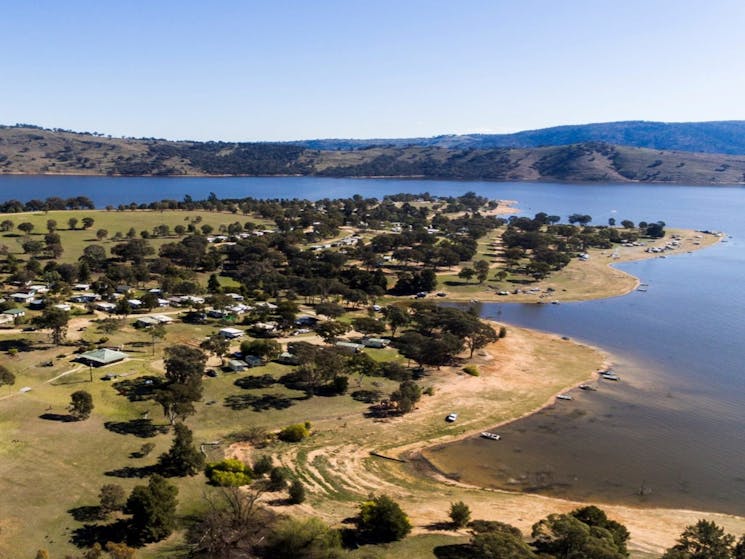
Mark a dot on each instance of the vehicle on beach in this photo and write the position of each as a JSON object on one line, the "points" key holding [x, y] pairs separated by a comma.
{"points": [[564, 397], [609, 375], [491, 436], [451, 417]]}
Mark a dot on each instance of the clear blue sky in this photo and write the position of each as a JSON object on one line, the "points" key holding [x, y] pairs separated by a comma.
{"points": [[282, 69]]}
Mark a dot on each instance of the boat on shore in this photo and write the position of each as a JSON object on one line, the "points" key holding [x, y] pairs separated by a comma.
{"points": [[587, 387], [491, 436], [564, 397]]}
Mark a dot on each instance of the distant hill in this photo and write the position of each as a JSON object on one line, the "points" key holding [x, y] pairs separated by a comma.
{"points": [[706, 137], [33, 150]]}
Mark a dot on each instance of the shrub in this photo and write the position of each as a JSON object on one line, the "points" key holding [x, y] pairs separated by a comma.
{"points": [[382, 520], [278, 479], [460, 514], [502, 331], [429, 391], [471, 370], [230, 472], [295, 433], [297, 492], [341, 384], [263, 465]]}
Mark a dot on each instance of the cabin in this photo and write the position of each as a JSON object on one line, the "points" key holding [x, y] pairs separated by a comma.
{"points": [[287, 358], [15, 313], [377, 343], [349, 347], [146, 322], [104, 306], [230, 333], [253, 360], [237, 366]]}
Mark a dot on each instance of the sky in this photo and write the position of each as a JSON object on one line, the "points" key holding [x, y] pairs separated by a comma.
{"points": [[283, 70]]}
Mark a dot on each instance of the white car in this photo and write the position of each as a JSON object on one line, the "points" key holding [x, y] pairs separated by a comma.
{"points": [[452, 417]]}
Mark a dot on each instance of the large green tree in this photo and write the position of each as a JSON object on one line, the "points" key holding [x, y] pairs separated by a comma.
{"points": [[56, 320], [183, 458], [153, 510], [382, 520], [703, 540], [81, 404]]}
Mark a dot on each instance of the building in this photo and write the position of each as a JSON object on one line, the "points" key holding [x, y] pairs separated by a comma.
{"points": [[377, 343], [230, 333], [100, 357], [15, 313], [237, 366], [349, 347]]}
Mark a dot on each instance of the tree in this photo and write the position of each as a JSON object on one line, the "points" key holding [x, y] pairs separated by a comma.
{"points": [[564, 535], [406, 396], [101, 234], [368, 325], [88, 222], [72, 223], [216, 344], [51, 225], [466, 274], [183, 458], [331, 310], [381, 520], [184, 364], [396, 316], [303, 539], [111, 498], [481, 336], [6, 377], [26, 227], [332, 329], [265, 349], [460, 514], [81, 405], [703, 540], [482, 270], [6, 225], [153, 510], [213, 284], [501, 544], [156, 331]]}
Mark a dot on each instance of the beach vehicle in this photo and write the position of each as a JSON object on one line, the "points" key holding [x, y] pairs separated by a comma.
{"points": [[609, 375], [451, 417], [587, 387], [564, 397], [491, 436]]}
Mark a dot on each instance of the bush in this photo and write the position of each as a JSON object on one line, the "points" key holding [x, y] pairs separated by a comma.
{"points": [[382, 520], [263, 465], [429, 391], [295, 433], [297, 492], [278, 479], [230, 472], [460, 514], [502, 331], [341, 384], [471, 370]]}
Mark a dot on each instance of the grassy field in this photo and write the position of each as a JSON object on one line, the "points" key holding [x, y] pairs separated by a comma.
{"points": [[75, 240]]}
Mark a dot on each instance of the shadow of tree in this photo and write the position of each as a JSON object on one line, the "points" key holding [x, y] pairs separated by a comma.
{"points": [[259, 403], [89, 534], [248, 383], [86, 513], [19, 345], [63, 417], [439, 526], [138, 389], [143, 428], [454, 551], [133, 471]]}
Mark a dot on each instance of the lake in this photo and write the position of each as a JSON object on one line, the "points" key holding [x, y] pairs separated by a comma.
{"points": [[670, 433]]}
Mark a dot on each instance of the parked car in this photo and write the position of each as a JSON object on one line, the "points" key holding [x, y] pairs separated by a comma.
{"points": [[451, 417]]}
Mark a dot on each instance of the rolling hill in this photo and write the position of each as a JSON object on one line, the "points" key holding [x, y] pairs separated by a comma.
{"points": [[33, 150]]}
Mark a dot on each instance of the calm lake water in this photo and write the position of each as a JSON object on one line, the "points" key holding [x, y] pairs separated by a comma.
{"points": [[671, 433]]}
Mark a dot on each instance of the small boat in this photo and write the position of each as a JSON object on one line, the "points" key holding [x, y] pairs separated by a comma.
{"points": [[609, 375], [492, 436], [564, 397], [587, 387]]}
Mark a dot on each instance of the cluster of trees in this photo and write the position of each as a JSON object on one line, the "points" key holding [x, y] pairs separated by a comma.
{"points": [[48, 204]]}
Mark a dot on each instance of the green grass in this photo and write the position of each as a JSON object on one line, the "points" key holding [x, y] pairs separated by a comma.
{"points": [[74, 241], [420, 546]]}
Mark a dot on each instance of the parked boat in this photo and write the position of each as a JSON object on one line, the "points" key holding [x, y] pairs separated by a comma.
{"points": [[492, 436], [587, 387], [564, 397], [609, 375]]}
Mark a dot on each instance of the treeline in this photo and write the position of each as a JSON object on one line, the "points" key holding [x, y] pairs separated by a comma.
{"points": [[48, 204]]}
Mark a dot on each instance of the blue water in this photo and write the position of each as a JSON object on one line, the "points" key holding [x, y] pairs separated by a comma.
{"points": [[672, 432]]}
